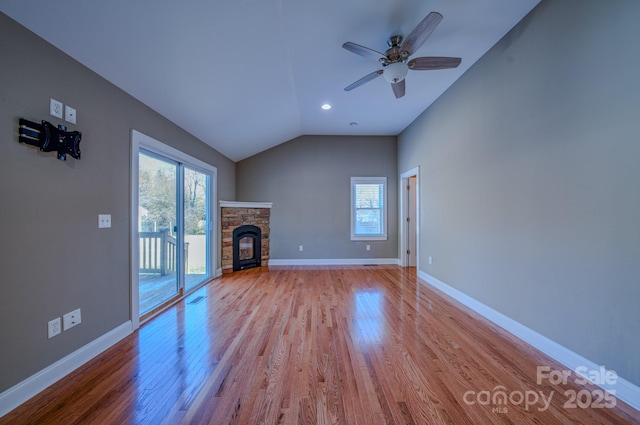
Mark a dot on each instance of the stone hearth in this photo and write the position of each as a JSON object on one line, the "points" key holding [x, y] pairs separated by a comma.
{"points": [[236, 214]]}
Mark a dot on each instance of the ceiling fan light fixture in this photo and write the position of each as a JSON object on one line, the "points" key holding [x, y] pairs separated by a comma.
{"points": [[395, 60], [395, 72]]}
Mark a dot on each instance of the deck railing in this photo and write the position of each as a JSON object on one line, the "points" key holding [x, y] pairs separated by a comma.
{"points": [[158, 252]]}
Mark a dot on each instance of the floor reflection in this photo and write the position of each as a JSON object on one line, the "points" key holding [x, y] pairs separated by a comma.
{"points": [[368, 317], [175, 344]]}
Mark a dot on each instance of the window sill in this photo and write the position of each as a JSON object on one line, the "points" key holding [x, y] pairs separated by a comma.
{"points": [[368, 238]]}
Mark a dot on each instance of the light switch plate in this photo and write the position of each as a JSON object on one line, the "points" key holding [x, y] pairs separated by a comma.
{"points": [[104, 221]]}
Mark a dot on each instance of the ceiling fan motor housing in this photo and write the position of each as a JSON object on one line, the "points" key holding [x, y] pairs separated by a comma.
{"points": [[393, 53]]}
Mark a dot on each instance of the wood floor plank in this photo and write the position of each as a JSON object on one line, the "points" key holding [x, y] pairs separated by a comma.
{"points": [[314, 345]]}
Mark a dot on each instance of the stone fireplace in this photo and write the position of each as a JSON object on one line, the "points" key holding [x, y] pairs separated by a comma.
{"points": [[245, 234]]}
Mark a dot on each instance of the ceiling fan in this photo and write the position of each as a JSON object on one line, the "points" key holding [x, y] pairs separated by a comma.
{"points": [[395, 60]]}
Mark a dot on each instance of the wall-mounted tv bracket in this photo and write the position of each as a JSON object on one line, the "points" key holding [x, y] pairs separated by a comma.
{"points": [[49, 138]]}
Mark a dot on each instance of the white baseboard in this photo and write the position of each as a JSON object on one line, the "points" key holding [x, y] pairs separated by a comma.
{"points": [[332, 262], [218, 272], [23, 391], [624, 390]]}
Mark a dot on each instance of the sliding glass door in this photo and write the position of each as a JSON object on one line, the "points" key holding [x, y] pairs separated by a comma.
{"points": [[173, 235], [158, 278], [196, 227]]}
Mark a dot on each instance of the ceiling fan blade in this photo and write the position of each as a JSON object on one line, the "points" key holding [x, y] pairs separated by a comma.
{"points": [[364, 51], [420, 33], [398, 89], [365, 79], [433, 62]]}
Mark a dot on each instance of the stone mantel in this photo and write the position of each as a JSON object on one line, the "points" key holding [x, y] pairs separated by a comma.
{"points": [[236, 204]]}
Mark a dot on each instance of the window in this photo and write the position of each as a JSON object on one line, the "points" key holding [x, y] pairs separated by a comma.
{"points": [[368, 208]]}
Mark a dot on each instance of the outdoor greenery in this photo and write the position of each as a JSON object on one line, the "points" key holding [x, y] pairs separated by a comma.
{"points": [[157, 195]]}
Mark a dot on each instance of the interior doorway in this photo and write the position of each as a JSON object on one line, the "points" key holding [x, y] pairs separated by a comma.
{"points": [[409, 218]]}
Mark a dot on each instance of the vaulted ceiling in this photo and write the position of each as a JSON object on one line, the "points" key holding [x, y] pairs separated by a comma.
{"points": [[246, 75]]}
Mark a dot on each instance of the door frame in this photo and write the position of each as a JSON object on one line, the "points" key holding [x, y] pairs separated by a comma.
{"points": [[138, 141], [404, 180]]}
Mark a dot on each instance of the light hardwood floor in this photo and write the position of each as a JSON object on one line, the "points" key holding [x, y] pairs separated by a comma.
{"points": [[325, 345]]}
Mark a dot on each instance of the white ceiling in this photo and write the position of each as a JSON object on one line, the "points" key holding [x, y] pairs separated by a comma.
{"points": [[246, 75]]}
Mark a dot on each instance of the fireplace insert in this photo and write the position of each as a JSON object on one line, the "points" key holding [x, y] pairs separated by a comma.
{"points": [[247, 243]]}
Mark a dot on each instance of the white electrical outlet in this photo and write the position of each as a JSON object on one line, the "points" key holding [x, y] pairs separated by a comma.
{"points": [[53, 327], [70, 114], [72, 319], [430, 260], [300, 248], [104, 221], [55, 108], [368, 247]]}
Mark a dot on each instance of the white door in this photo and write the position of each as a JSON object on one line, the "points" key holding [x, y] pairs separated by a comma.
{"points": [[411, 221]]}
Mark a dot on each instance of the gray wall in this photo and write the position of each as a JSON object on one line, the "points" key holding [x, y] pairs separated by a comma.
{"points": [[308, 181], [54, 259], [530, 177]]}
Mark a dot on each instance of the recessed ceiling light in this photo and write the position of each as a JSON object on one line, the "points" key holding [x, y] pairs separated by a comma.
{"points": [[326, 106]]}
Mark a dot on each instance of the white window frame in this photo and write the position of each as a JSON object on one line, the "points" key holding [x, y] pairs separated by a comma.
{"points": [[369, 180]]}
